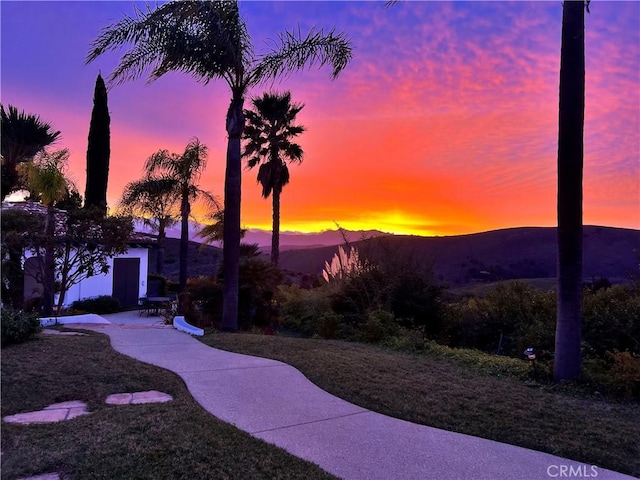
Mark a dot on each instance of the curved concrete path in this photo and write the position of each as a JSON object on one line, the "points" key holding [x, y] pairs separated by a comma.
{"points": [[275, 402]]}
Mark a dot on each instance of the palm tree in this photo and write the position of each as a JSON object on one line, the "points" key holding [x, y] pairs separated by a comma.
{"points": [[214, 232], [270, 131], [185, 171], [570, 160], [45, 179], [23, 136], [154, 200], [209, 40]]}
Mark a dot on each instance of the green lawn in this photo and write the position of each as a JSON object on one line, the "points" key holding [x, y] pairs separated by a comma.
{"points": [[174, 440], [445, 393], [180, 440]]}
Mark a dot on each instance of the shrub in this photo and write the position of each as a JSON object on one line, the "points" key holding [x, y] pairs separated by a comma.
{"points": [[519, 314], [308, 311], [611, 320], [328, 325], [406, 340], [380, 325], [202, 301], [18, 326], [259, 280], [618, 373], [415, 301], [625, 372], [100, 305], [356, 295]]}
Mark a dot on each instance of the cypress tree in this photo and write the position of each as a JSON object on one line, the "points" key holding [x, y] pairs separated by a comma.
{"points": [[98, 150]]}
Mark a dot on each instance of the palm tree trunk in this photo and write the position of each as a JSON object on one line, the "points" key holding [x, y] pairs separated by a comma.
{"points": [[231, 229], [275, 231], [49, 271], [160, 253], [570, 160], [64, 274], [184, 240]]}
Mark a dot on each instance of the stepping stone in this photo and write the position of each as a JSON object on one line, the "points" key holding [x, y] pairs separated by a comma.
{"points": [[69, 404], [53, 413], [44, 476], [119, 399], [152, 396], [49, 331]]}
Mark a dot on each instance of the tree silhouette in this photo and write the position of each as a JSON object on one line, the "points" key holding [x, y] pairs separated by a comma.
{"points": [[185, 171], [23, 136], [45, 178], [155, 200], [269, 133], [567, 360], [209, 40], [98, 150]]}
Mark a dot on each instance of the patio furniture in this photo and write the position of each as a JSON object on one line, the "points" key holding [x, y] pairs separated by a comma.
{"points": [[155, 304]]}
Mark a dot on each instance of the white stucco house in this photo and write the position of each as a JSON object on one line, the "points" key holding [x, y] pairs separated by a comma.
{"points": [[126, 279]]}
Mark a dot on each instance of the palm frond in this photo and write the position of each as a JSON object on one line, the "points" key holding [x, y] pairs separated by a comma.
{"points": [[205, 39], [293, 152], [152, 198], [159, 161], [23, 135], [45, 178], [266, 174], [210, 201], [293, 52]]}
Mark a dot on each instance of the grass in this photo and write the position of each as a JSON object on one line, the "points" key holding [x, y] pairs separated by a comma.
{"points": [[446, 392], [174, 440]]}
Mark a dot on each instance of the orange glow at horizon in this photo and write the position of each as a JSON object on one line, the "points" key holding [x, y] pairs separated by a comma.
{"points": [[394, 222]]}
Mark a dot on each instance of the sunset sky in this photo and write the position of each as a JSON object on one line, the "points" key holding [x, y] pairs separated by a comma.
{"points": [[445, 121]]}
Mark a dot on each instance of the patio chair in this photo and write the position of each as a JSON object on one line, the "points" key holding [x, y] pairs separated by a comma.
{"points": [[154, 289]]}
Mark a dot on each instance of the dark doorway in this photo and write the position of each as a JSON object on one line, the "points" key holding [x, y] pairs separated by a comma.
{"points": [[126, 280]]}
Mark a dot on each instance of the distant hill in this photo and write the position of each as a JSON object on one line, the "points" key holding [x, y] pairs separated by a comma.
{"points": [[288, 240], [203, 259], [294, 240], [526, 252]]}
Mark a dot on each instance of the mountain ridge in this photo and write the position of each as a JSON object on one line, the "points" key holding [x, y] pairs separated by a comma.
{"points": [[517, 252]]}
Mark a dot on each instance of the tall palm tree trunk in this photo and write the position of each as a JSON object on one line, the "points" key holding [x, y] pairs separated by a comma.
{"points": [[49, 270], [570, 160], [231, 229], [275, 230], [184, 240]]}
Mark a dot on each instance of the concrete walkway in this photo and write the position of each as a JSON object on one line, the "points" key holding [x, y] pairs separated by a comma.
{"points": [[276, 403]]}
